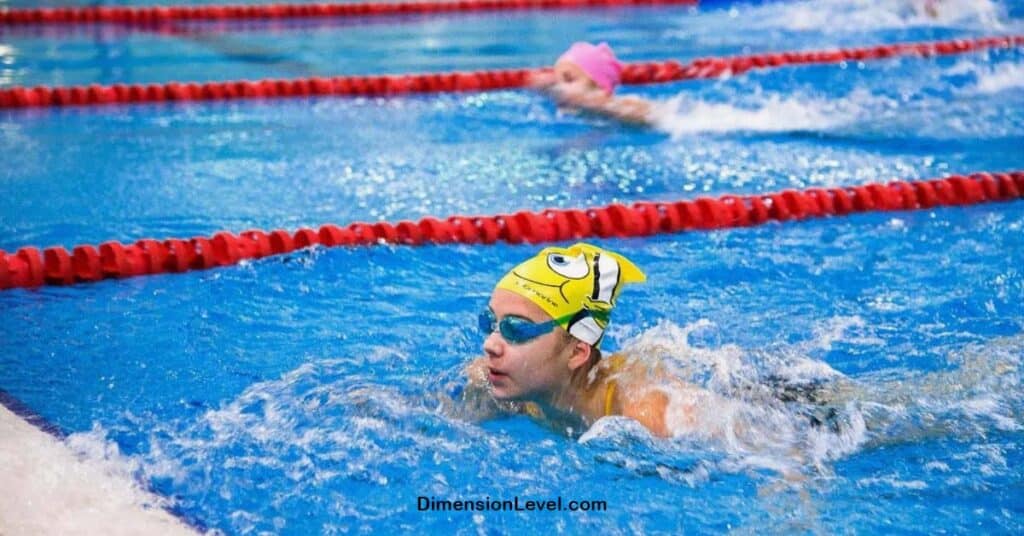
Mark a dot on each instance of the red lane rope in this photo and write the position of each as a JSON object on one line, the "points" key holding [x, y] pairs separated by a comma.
{"points": [[635, 73], [32, 267], [156, 15]]}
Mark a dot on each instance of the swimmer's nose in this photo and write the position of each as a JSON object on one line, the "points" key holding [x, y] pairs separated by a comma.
{"points": [[494, 345]]}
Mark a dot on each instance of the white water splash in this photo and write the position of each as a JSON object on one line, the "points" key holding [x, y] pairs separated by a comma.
{"points": [[859, 113], [783, 410], [992, 407], [321, 425], [866, 15], [683, 116], [1000, 78], [892, 482], [988, 77], [722, 401], [838, 329]]}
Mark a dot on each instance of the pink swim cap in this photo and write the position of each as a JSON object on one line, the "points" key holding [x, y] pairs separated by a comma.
{"points": [[598, 62]]}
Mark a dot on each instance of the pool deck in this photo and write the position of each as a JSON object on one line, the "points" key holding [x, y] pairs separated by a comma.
{"points": [[46, 489]]}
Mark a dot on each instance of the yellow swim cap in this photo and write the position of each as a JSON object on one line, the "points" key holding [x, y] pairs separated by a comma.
{"points": [[576, 285]]}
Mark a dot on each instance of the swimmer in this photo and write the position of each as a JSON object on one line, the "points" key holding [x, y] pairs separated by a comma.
{"points": [[544, 325], [585, 77], [543, 329]]}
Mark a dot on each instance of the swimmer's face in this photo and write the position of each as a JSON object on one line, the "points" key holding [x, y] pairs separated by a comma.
{"points": [[573, 86], [534, 370]]}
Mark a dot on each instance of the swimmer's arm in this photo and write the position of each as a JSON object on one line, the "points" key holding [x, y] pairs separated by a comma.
{"points": [[626, 109], [541, 79], [629, 109]]}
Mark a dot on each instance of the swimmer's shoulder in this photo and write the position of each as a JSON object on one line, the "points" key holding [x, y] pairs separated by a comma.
{"points": [[649, 410], [627, 393]]}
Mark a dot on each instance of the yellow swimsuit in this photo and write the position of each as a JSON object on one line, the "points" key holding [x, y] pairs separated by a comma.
{"points": [[615, 363], [609, 397]]}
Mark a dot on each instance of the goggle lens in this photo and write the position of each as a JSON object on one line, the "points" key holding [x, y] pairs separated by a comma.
{"points": [[514, 329]]}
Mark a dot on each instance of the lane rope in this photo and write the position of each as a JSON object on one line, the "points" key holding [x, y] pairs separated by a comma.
{"points": [[388, 85], [31, 267], [158, 15]]}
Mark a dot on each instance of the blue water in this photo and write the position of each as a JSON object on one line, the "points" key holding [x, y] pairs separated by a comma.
{"points": [[309, 393]]}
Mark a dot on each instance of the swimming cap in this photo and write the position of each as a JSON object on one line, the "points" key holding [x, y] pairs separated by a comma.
{"points": [[597, 61], [576, 285]]}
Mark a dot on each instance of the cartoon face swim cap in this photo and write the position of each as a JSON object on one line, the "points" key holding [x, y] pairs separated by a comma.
{"points": [[577, 286]]}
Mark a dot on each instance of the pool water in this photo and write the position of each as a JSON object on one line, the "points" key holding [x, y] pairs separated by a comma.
{"points": [[311, 393]]}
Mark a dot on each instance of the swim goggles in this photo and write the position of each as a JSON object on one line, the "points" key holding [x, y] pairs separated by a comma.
{"points": [[514, 329]]}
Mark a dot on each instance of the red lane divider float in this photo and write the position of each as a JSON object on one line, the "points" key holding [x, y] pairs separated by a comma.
{"points": [[636, 73], [30, 267], [156, 15]]}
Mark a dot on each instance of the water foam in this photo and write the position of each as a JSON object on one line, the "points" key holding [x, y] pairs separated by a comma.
{"points": [[683, 116], [1000, 78], [730, 400], [981, 390], [860, 113], [325, 427], [783, 410], [866, 15]]}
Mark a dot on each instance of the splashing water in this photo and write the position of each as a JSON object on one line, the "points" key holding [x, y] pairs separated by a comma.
{"points": [[782, 410], [874, 15], [329, 437], [934, 107], [244, 424], [998, 78], [683, 116]]}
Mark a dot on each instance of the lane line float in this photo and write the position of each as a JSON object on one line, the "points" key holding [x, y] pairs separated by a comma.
{"points": [[388, 85], [159, 15], [31, 267]]}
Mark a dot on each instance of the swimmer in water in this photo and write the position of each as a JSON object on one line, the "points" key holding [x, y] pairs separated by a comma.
{"points": [[544, 325], [584, 78], [543, 328]]}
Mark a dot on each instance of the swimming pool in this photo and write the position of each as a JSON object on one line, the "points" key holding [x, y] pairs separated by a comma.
{"points": [[301, 394]]}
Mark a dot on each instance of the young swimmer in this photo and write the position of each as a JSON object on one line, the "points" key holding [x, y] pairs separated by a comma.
{"points": [[544, 325], [584, 78]]}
